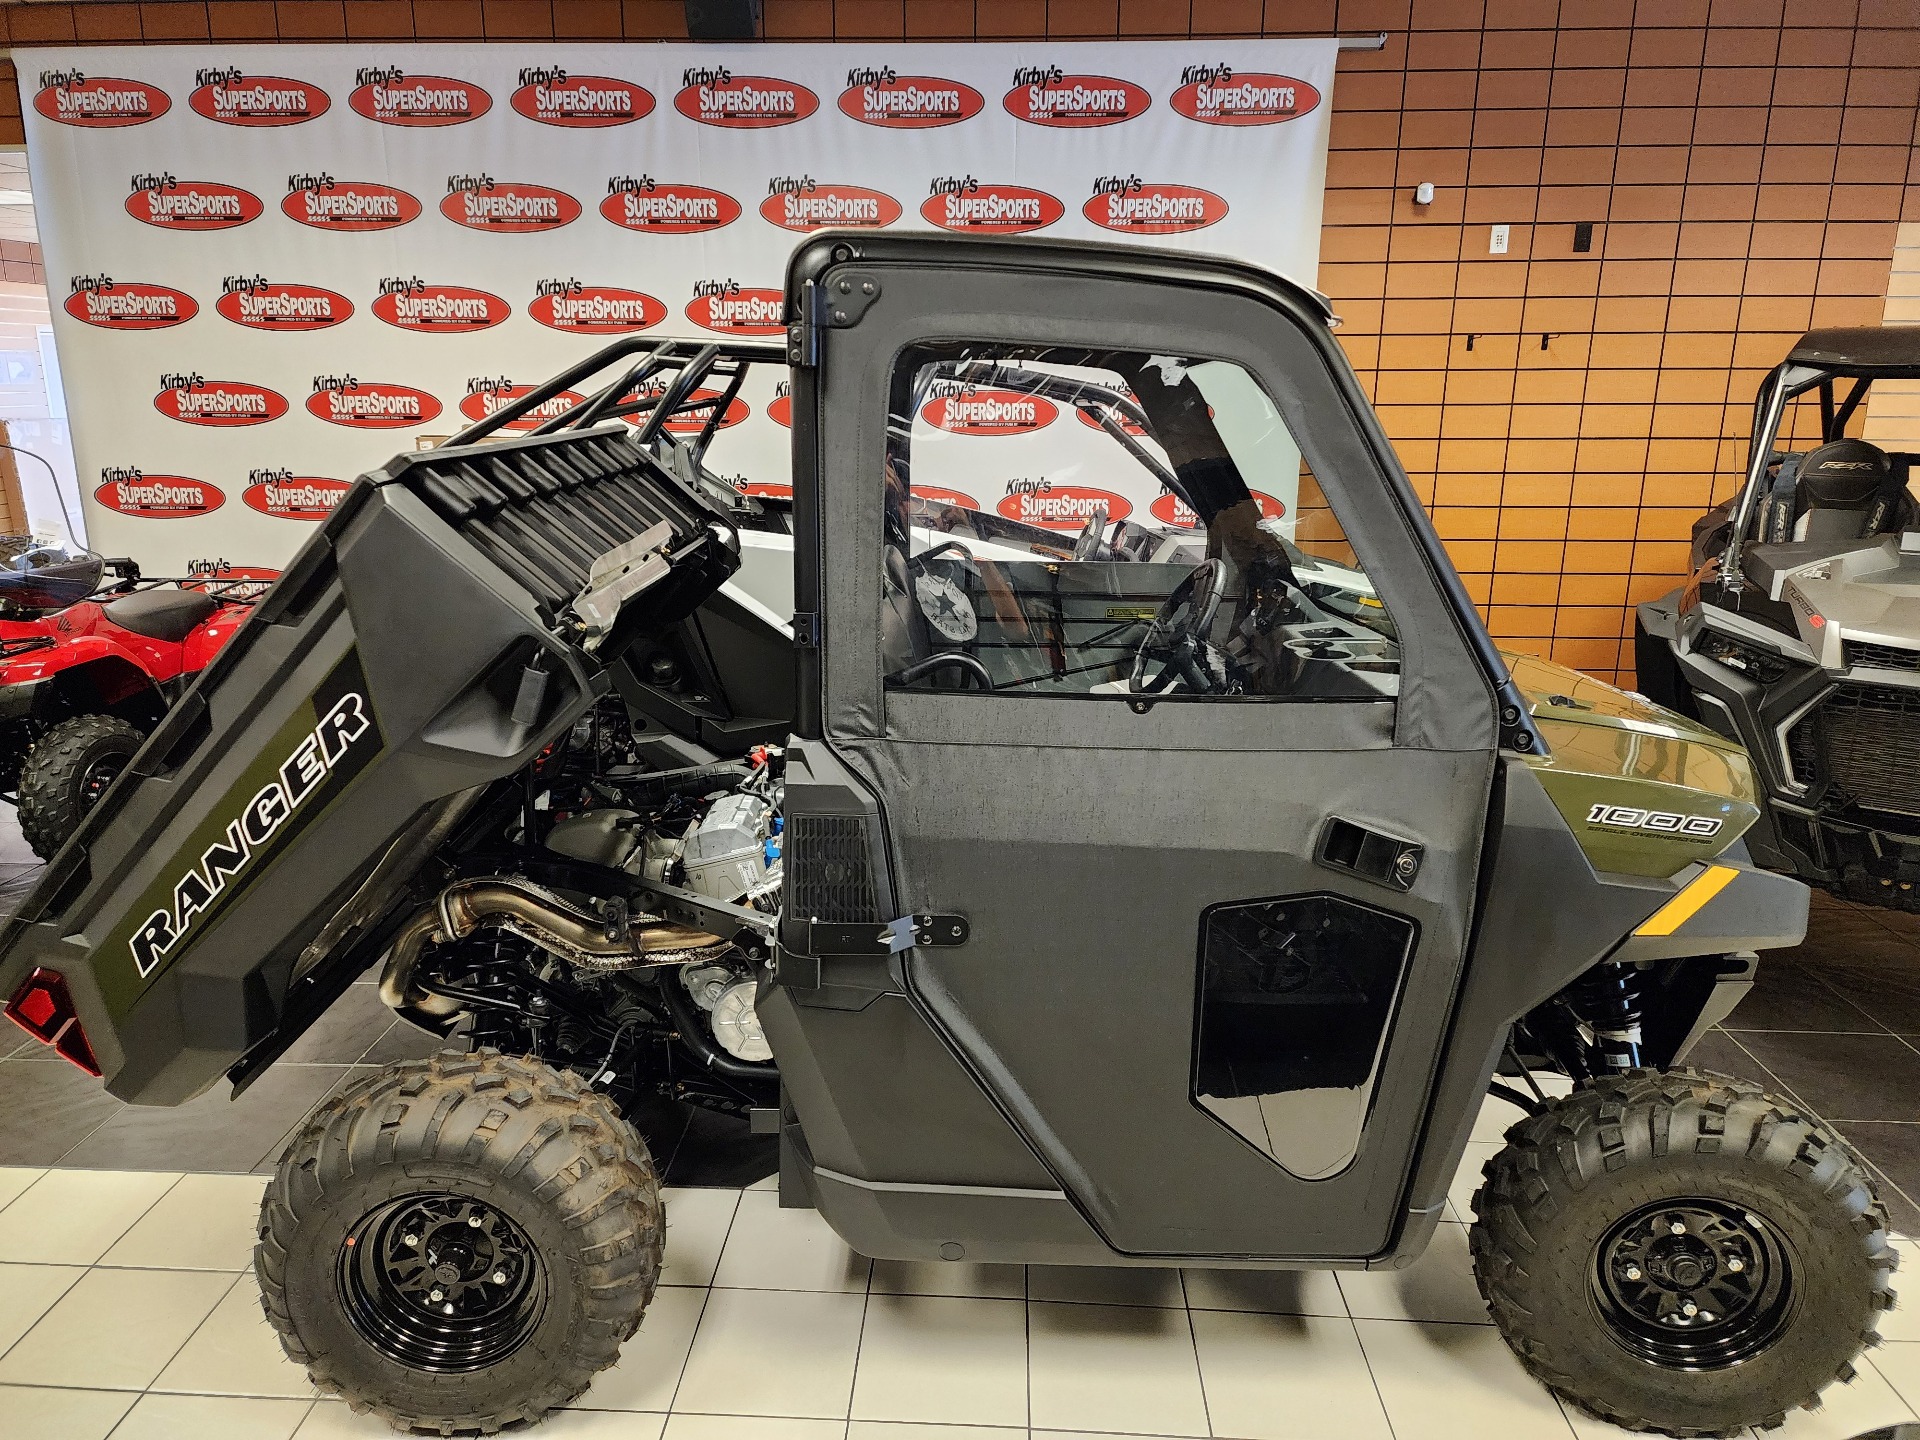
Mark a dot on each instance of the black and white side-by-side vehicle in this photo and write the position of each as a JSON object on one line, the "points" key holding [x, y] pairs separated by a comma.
{"points": [[1106, 894]]}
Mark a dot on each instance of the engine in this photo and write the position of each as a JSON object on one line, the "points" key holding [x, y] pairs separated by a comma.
{"points": [[612, 918]]}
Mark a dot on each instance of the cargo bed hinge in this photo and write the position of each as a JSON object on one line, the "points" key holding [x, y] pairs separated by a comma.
{"points": [[889, 938], [836, 305]]}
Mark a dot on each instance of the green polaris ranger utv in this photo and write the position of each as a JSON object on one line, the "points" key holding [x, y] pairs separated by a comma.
{"points": [[1056, 888]]}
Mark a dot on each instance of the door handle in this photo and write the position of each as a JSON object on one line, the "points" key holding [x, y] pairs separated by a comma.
{"points": [[1358, 850]]}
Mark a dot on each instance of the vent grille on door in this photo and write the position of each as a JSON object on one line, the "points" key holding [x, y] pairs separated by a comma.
{"points": [[829, 871]]}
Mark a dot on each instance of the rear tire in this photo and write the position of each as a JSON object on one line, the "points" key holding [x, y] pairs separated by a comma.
{"points": [[66, 772], [1781, 1248], [485, 1182]]}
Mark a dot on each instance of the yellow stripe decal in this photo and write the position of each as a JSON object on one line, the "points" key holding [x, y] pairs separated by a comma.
{"points": [[1690, 901]]}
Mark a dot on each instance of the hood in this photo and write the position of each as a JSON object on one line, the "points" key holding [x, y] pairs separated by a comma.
{"points": [[1870, 594], [1645, 791]]}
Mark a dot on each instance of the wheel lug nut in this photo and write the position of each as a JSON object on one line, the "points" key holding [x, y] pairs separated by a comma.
{"points": [[1689, 1309], [1678, 1227], [499, 1277], [1633, 1272], [474, 1221], [1736, 1264], [409, 1239], [436, 1294]]}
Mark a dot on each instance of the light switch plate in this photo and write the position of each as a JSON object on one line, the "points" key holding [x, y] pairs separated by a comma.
{"points": [[1497, 241]]}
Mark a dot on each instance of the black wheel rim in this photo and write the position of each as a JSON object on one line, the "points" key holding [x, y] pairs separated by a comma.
{"points": [[99, 775], [1694, 1284], [441, 1283]]}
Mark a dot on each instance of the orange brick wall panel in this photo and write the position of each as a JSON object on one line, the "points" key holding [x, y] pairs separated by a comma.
{"points": [[1743, 163]]}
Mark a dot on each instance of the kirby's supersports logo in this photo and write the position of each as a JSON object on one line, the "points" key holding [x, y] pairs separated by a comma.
{"points": [[262, 304], [107, 304], [1046, 95], [876, 96], [223, 404], [801, 203], [1171, 510], [966, 205], [369, 404], [388, 95], [728, 308], [315, 198], [229, 97], [286, 496], [639, 202], [564, 303], [128, 490], [69, 97], [407, 302], [961, 409], [693, 413], [1133, 206], [489, 393], [1059, 507], [506, 207], [714, 95], [158, 199], [549, 95], [1215, 95]]}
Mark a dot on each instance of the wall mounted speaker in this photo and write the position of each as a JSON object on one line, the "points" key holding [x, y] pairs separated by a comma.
{"points": [[723, 19]]}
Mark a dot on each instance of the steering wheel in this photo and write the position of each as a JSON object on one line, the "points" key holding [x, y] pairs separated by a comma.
{"points": [[1176, 641], [943, 600], [1087, 544]]}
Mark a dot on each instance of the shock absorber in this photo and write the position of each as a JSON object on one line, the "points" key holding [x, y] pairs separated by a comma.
{"points": [[1609, 1002]]}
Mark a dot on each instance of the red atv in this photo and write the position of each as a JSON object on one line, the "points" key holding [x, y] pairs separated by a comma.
{"points": [[87, 669]]}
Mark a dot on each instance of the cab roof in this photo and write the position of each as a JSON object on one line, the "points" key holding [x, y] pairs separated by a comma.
{"points": [[1869, 350]]}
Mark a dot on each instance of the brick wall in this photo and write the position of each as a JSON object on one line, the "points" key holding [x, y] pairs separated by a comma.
{"points": [[1745, 165]]}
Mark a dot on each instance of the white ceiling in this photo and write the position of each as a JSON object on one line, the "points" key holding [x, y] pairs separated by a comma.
{"points": [[16, 221]]}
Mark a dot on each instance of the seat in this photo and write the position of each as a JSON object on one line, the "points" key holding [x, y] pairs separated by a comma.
{"points": [[160, 614], [1848, 490]]}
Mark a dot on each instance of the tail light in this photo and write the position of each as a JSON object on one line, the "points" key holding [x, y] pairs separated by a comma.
{"points": [[43, 1008]]}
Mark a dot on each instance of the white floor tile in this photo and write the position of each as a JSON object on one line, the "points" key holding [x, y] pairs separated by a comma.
{"points": [[697, 1225], [1286, 1377], [1456, 1382], [942, 1360], [774, 1249], [1902, 1323], [27, 1292], [773, 1352], [940, 1277], [330, 1420], [1126, 1368], [651, 1362], [751, 1427], [14, 1179], [1267, 1292], [1104, 1285], [115, 1329], [766, 1182], [72, 1217], [1437, 1287], [1466, 1180], [206, 1222], [235, 1352], [1849, 1411], [892, 1430], [31, 1412], [1899, 1365], [211, 1417]]}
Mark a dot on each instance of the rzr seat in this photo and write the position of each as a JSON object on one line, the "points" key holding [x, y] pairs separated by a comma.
{"points": [[1845, 490], [160, 614]]}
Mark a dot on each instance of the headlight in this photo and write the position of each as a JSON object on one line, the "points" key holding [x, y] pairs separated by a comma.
{"points": [[1749, 660]]}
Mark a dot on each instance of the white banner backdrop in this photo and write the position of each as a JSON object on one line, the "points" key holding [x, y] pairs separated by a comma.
{"points": [[272, 267]]}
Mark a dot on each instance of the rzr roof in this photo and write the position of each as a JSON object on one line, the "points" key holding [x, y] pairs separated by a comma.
{"points": [[1869, 350]]}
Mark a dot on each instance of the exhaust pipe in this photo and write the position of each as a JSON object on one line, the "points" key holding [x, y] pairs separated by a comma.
{"points": [[541, 918]]}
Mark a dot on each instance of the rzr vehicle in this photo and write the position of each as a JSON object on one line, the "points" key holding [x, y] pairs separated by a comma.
{"points": [[87, 670], [1798, 632], [1131, 900]]}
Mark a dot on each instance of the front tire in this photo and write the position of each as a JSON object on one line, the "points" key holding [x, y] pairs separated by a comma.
{"points": [[1681, 1252], [66, 772], [460, 1243]]}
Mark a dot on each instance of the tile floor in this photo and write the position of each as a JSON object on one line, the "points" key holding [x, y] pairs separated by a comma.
{"points": [[128, 1307]]}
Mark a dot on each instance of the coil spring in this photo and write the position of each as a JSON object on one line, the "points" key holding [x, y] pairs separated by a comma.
{"points": [[1610, 1001]]}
